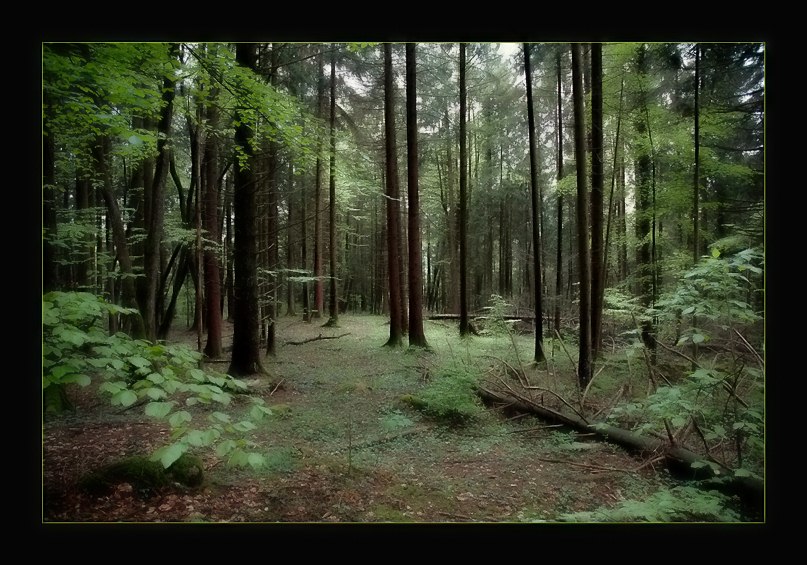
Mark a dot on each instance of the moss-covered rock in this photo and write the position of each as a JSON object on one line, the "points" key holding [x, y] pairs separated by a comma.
{"points": [[144, 475]]}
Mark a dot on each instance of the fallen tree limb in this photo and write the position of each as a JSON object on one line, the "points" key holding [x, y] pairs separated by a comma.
{"points": [[319, 337], [678, 459], [592, 468]]}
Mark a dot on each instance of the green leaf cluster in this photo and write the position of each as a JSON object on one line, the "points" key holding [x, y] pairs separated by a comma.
{"points": [[166, 378], [677, 504]]}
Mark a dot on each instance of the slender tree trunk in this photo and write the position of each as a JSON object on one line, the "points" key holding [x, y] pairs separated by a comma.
{"points": [[597, 266], [304, 251], [465, 328], [696, 181], [333, 304], [393, 203], [128, 292], [290, 244], [246, 357], [155, 219], [559, 250], [50, 269], [623, 226], [611, 211], [271, 257], [584, 360], [213, 348], [417, 337], [319, 291], [536, 233], [229, 282], [199, 318], [643, 182]]}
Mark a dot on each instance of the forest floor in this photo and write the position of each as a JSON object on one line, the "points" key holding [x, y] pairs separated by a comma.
{"points": [[342, 447]]}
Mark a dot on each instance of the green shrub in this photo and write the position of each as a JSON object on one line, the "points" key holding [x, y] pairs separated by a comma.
{"points": [[166, 378], [449, 397]]}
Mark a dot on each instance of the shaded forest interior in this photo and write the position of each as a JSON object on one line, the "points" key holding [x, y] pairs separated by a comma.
{"points": [[605, 199]]}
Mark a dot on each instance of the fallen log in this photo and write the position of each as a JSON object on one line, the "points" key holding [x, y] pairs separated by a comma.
{"points": [[526, 318], [319, 337], [678, 459]]}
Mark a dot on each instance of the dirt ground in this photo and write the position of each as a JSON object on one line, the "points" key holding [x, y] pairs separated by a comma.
{"points": [[342, 447]]}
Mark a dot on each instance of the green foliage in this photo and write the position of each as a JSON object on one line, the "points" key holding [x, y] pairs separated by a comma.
{"points": [[395, 420], [677, 504], [450, 397], [494, 321], [716, 289], [164, 377], [719, 398]]}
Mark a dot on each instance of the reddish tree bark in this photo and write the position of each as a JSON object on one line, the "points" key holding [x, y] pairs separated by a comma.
{"points": [[417, 337], [393, 214]]}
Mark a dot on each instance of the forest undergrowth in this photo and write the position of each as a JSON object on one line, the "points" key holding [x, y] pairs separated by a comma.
{"points": [[356, 432]]}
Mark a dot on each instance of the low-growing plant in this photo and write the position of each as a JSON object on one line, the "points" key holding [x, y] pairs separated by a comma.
{"points": [[165, 378], [450, 396], [676, 504]]}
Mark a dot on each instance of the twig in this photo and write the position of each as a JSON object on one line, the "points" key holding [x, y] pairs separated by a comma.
{"points": [[588, 386], [679, 353], [280, 382], [613, 403], [750, 348], [534, 428], [463, 516], [521, 377], [319, 337], [726, 386], [559, 397], [654, 459], [566, 351], [595, 468], [533, 403]]}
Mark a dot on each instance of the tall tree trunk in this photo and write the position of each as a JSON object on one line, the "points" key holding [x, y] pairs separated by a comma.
{"points": [[246, 357], [229, 281], [417, 337], [154, 235], [584, 265], [623, 225], [611, 212], [213, 348], [449, 206], [50, 269], [559, 250], [597, 267], [536, 233], [200, 187], [319, 291], [304, 251], [696, 181], [465, 328], [393, 204], [128, 291], [290, 244], [333, 303], [643, 182], [271, 224]]}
